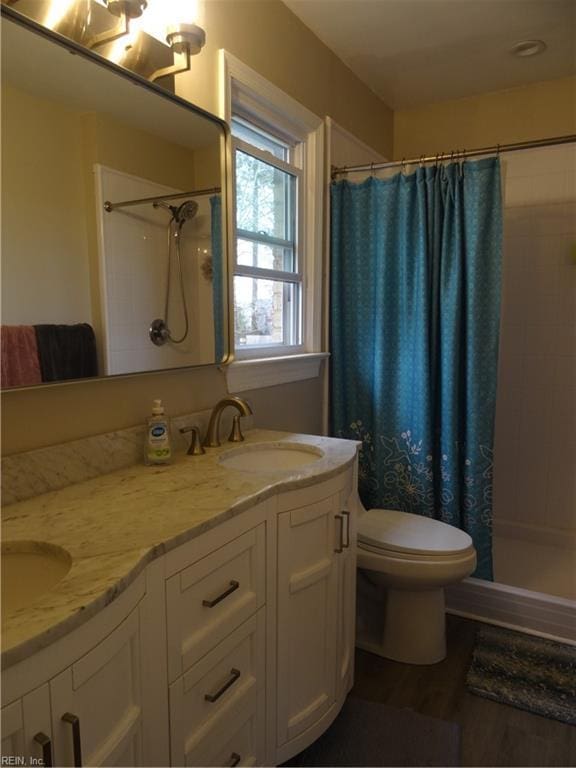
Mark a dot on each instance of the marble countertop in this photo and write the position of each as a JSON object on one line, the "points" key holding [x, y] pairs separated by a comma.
{"points": [[114, 524]]}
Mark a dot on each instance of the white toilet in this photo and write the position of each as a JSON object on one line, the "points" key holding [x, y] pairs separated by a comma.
{"points": [[406, 562]]}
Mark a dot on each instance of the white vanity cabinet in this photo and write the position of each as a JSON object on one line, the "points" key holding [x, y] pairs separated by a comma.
{"points": [[234, 648]]}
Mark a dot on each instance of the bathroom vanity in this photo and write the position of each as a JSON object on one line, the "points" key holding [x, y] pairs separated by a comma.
{"points": [[207, 617]]}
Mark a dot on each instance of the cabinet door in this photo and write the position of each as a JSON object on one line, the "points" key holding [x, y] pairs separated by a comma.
{"points": [[27, 730], [346, 607], [307, 612], [102, 690]]}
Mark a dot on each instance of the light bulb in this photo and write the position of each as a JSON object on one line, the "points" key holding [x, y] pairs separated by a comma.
{"points": [[181, 12], [56, 12]]}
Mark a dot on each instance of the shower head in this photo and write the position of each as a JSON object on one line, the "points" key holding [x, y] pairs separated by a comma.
{"points": [[180, 213], [186, 211]]}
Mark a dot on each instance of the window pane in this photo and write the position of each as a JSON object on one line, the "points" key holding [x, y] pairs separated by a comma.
{"points": [[251, 135], [264, 198], [250, 253], [266, 312]]}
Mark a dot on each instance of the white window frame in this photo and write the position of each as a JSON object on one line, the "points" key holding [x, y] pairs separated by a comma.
{"points": [[246, 94], [296, 277]]}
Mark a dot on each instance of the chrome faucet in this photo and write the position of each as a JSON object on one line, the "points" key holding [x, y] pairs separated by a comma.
{"points": [[212, 439]]}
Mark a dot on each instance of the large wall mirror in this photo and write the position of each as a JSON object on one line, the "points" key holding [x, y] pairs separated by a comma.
{"points": [[113, 219]]}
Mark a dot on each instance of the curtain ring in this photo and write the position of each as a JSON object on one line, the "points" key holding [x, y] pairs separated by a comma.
{"points": [[498, 150], [421, 161], [403, 166], [372, 169]]}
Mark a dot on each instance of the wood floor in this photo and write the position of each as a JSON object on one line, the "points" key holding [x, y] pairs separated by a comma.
{"points": [[492, 734]]}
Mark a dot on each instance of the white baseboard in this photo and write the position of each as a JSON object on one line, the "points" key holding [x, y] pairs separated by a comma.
{"points": [[532, 612]]}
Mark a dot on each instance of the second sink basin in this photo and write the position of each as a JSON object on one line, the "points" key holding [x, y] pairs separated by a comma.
{"points": [[29, 569], [270, 457]]}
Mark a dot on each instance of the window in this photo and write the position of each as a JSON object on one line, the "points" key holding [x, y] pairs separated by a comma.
{"points": [[268, 277], [279, 177]]}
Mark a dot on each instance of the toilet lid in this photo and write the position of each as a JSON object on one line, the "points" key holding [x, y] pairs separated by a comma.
{"points": [[404, 532]]}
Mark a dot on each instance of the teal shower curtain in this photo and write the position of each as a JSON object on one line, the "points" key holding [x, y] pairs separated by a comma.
{"points": [[415, 310]]}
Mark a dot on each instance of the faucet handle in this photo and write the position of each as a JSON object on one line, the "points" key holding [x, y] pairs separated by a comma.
{"points": [[236, 435], [195, 448]]}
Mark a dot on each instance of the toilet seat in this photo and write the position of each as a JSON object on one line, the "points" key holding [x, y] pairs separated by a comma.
{"points": [[406, 534], [446, 558]]}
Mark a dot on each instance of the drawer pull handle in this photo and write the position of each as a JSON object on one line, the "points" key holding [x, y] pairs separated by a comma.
{"points": [[340, 547], [234, 759], [46, 745], [347, 516], [232, 588], [74, 721], [234, 675]]}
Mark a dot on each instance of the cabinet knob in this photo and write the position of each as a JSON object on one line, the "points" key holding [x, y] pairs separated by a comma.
{"points": [[234, 759], [46, 745], [74, 721]]}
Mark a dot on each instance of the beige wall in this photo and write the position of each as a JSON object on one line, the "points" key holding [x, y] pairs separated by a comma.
{"points": [[536, 111], [131, 150], [44, 238], [267, 36]]}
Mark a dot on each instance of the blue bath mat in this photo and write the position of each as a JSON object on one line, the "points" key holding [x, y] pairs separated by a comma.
{"points": [[527, 672]]}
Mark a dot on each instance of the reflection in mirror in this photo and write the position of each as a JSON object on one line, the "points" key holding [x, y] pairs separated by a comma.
{"points": [[83, 282]]}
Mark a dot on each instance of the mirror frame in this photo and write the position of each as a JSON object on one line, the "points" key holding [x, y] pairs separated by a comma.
{"points": [[226, 192]]}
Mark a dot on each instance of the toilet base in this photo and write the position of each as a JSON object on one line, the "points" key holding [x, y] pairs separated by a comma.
{"points": [[413, 628]]}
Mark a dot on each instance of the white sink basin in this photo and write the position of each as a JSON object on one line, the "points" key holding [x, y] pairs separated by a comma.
{"points": [[29, 569], [270, 457]]}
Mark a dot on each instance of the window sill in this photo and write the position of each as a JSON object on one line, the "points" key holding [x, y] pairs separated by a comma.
{"points": [[242, 375]]}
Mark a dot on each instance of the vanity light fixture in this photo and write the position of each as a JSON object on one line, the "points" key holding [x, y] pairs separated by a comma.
{"points": [[185, 40], [125, 10]]}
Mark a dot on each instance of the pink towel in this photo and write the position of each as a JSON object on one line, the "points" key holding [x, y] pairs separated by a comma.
{"points": [[19, 355]]}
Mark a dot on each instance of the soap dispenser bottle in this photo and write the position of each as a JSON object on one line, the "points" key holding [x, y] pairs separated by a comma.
{"points": [[157, 449]]}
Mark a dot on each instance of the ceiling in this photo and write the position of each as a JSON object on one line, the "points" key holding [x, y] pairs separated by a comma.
{"points": [[414, 52]]}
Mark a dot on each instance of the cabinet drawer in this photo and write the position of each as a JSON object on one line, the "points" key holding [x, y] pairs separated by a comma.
{"points": [[237, 741], [208, 600], [214, 696]]}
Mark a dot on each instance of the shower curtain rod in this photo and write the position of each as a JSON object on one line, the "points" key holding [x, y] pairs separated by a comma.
{"points": [[108, 206], [458, 155]]}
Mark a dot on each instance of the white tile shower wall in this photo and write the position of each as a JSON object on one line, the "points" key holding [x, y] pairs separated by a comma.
{"points": [[535, 440], [134, 259]]}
